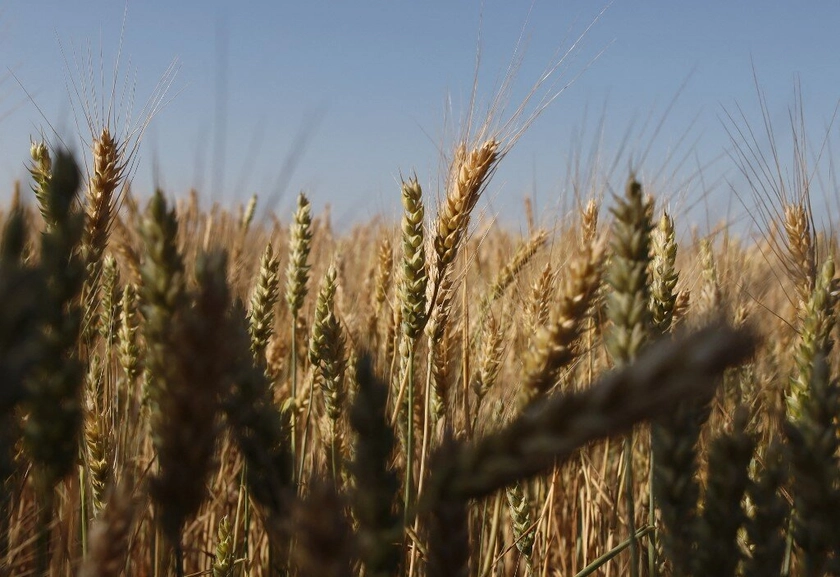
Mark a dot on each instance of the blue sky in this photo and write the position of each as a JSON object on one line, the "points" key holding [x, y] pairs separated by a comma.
{"points": [[359, 92]]}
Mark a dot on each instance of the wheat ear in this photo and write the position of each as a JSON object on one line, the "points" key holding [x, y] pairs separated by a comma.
{"points": [[110, 535], [664, 277], [812, 406], [717, 548], [382, 282], [297, 277], [505, 277], [771, 511], [223, 564], [553, 344], [412, 299], [327, 354], [263, 298], [555, 427], [374, 493], [818, 320], [802, 260], [470, 172], [55, 411], [101, 200], [627, 309]]}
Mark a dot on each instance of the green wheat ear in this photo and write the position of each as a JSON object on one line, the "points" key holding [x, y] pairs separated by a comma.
{"points": [[717, 548], [664, 276], [55, 409], [627, 309], [300, 244], [818, 320], [265, 295], [627, 275], [813, 404]]}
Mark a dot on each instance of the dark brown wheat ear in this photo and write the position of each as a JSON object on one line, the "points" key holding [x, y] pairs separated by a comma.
{"points": [[552, 429], [111, 533]]}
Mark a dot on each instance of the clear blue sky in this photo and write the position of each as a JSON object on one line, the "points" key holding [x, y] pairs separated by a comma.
{"points": [[365, 87]]}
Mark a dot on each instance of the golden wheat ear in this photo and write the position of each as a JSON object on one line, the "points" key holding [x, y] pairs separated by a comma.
{"points": [[100, 205], [552, 347]]}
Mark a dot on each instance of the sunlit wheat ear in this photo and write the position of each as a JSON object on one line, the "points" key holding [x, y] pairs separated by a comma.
{"points": [[802, 260], [328, 355], [818, 320], [412, 305], [162, 294], [263, 298], [441, 347], [104, 107], [110, 536], [248, 214], [97, 441], [246, 217], [627, 302], [664, 277], [627, 310], [129, 351], [814, 469], [505, 277], [124, 246], [552, 347], [589, 221], [300, 243], [327, 347], [490, 357], [469, 174], [682, 302], [223, 563], [710, 299], [523, 529], [382, 286], [539, 301], [552, 429], [109, 305], [100, 204], [41, 171], [812, 405], [414, 275]]}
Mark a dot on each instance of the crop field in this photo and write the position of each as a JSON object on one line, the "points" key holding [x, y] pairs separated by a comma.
{"points": [[189, 390]]}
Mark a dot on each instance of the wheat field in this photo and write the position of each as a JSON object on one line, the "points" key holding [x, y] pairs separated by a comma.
{"points": [[188, 390]]}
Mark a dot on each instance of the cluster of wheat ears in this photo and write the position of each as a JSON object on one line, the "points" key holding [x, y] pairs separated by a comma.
{"points": [[193, 392]]}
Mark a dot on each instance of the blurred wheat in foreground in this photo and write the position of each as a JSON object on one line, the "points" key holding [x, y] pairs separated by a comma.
{"points": [[187, 392]]}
